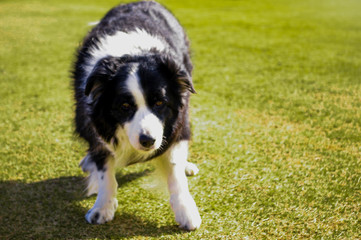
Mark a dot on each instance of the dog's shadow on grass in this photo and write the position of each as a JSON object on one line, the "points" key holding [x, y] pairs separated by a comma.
{"points": [[51, 209]]}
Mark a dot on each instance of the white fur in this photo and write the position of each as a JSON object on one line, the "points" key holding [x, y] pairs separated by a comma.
{"points": [[106, 202], [173, 164], [191, 169], [123, 43], [134, 87]]}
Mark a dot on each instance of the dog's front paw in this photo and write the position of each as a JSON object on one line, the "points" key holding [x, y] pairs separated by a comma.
{"points": [[100, 215], [186, 211]]}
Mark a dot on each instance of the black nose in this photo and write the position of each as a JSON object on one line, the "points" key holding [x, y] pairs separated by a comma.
{"points": [[146, 141]]}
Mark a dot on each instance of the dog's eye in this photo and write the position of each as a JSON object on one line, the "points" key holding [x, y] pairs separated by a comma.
{"points": [[159, 103], [126, 106]]}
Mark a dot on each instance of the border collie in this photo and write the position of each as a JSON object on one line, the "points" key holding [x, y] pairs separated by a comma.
{"points": [[132, 81]]}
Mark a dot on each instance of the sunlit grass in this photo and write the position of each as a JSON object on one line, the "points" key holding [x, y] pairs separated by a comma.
{"points": [[276, 123]]}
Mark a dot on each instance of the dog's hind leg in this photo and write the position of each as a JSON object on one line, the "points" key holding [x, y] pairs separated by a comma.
{"points": [[86, 164], [191, 169], [106, 203], [89, 166]]}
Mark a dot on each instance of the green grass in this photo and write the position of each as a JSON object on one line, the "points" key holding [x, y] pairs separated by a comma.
{"points": [[276, 123]]}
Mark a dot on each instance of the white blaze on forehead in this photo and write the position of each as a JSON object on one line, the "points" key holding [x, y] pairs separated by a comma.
{"points": [[133, 84], [123, 43]]}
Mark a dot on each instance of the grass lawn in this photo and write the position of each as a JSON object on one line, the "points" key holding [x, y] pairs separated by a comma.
{"points": [[276, 123]]}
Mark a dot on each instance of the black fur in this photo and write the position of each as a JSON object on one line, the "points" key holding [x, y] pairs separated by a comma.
{"points": [[100, 94]]}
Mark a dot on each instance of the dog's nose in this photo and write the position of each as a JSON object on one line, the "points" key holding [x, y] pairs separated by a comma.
{"points": [[146, 141]]}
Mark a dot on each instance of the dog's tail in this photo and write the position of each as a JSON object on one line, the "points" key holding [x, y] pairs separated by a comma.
{"points": [[93, 23]]}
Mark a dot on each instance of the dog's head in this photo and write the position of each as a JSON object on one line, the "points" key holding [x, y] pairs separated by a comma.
{"points": [[139, 97]]}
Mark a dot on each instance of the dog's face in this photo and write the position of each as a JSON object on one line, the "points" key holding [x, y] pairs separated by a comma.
{"points": [[139, 97]]}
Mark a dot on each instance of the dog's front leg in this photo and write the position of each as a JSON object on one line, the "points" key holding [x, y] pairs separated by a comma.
{"points": [[183, 205], [106, 203]]}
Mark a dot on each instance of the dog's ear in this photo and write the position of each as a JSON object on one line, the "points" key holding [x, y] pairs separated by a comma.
{"points": [[103, 71], [185, 81], [179, 74]]}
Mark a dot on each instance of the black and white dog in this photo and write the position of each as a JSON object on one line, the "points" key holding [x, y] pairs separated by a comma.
{"points": [[132, 82]]}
